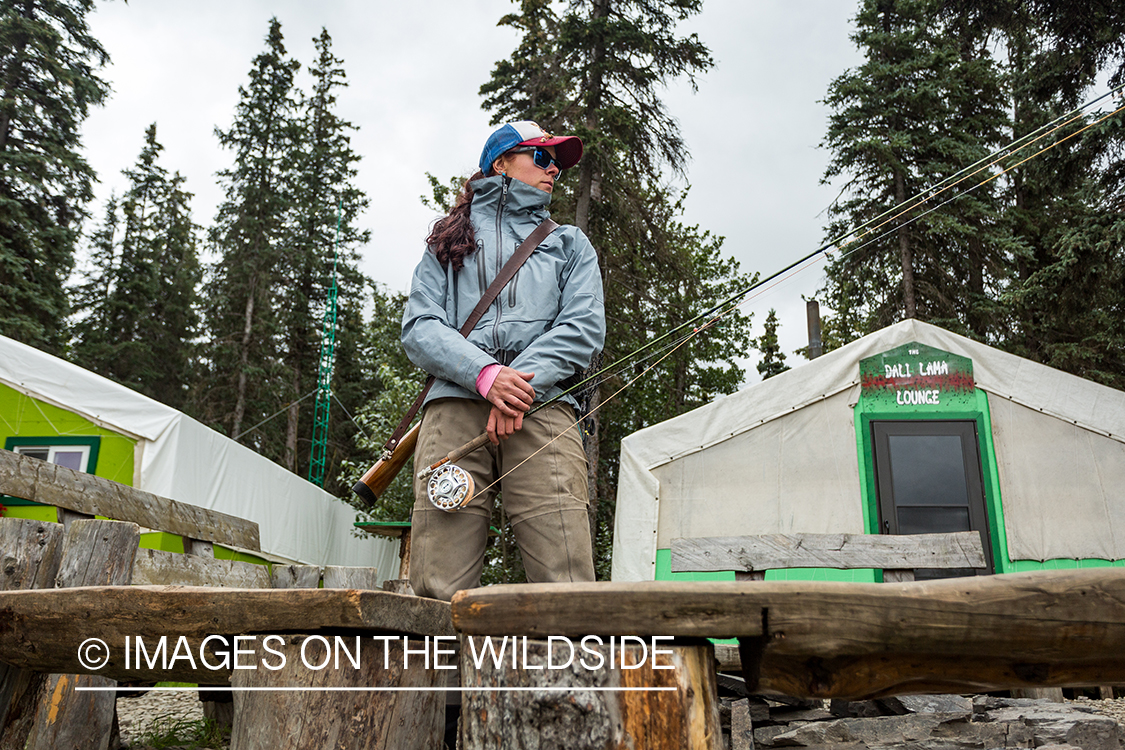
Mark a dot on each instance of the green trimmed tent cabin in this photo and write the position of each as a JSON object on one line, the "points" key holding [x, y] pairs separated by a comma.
{"points": [[59, 412], [911, 429]]}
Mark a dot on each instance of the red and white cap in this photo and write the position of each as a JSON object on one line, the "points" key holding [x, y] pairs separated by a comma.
{"points": [[568, 148]]}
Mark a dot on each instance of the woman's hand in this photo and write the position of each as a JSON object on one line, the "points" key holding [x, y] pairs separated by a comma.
{"points": [[501, 426], [510, 394]]}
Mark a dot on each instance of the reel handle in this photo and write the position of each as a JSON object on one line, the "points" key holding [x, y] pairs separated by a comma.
{"points": [[455, 455]]}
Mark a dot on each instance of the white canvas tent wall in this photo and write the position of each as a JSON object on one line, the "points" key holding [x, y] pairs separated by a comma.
{"points": [[179, 458], [780, 456]]}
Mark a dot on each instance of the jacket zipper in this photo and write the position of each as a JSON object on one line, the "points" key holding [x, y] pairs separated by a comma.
{"points": [[499, 259]]}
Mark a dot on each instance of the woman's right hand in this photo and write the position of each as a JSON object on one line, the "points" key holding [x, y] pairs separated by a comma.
{"points": [[501, 426], [510, 393]]}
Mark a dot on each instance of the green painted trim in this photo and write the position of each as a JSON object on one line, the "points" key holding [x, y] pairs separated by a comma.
{"points": [[32, 512], [93, 442], [1021, 566], [979, 412]]}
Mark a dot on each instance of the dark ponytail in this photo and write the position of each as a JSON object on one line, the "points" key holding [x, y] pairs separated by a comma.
{"points": [[452, 237]]}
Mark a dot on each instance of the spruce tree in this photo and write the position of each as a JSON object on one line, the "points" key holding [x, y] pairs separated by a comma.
{"points": [[137, 310], [773, 359], [244, 382], [924, 104], [48, 82], [324, 199], [596, 69]]}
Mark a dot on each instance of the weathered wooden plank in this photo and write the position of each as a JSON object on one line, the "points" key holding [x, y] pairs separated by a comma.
{"points": [[95, 553], [30, 555], [846, 551], [408, 719], [685, 717], [32, 479], [876, 675], [349, 577], [159, 568], [1041, 611], [37, 628], [295, 577]]}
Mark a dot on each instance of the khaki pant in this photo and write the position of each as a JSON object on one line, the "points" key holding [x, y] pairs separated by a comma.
{"points": [[545, 499]]}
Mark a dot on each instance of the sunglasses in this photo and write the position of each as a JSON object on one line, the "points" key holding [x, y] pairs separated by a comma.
{"points": [[541, 156]]}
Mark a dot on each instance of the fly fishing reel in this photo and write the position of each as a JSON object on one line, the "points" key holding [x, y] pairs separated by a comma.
{"points": [[450, 488]]}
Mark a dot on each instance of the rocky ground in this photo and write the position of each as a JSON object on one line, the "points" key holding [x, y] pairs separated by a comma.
{"points": [[937, 722], [940, 721]]}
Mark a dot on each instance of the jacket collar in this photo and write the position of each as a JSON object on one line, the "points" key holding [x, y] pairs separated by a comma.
{"points": [[521, 199]]}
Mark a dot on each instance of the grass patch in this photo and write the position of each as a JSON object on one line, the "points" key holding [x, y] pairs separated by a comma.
{"points": [[189, 734]]}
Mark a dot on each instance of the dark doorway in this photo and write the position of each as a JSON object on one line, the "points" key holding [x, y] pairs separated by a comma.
{"points": [[928, 480]]}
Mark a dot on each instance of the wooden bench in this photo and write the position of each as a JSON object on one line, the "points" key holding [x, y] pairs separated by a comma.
{"points": [[817, 639], [898, 556]]}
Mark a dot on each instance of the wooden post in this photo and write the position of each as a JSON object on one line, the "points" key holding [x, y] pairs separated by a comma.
{"points": [[315, 716], [566, 713], [30, 553], [96, 553]]}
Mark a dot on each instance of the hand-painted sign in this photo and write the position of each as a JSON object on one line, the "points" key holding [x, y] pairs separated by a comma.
{"points": [[918, 377]]}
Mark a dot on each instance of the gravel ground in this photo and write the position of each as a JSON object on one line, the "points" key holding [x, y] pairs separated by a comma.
{"points": [[1115, 709], [154, 709]]}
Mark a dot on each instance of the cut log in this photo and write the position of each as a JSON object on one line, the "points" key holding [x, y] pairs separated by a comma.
{"points": [[159, 568], [324, 712], [852, 640], [32, 479], [295, 577], [349, 577], [846, 551], [30, 555], [70, 715], [561, 709], [37, 628]]}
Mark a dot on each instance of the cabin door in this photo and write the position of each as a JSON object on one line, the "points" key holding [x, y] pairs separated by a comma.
{"points": [[928, 480]]}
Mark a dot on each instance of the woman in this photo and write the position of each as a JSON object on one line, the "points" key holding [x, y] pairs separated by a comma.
{"points": [[543, 328]]}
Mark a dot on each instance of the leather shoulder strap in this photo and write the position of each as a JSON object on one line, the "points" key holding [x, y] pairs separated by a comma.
{"points": [[523, 252]]}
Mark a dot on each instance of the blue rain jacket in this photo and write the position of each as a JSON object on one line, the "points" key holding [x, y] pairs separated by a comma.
{"points": [[548, 320]]}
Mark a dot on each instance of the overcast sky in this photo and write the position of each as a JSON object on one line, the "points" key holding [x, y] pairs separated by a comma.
{"points": [[414, 69]]}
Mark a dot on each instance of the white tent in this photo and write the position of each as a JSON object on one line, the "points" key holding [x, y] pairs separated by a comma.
{"points": [[781, 456], [179, 458]]}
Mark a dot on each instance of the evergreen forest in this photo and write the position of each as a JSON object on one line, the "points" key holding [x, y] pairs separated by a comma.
{"points": [[223, 316]]}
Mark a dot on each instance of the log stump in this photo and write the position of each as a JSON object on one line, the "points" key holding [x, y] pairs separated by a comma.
{"points": [[30, 555], [314, 710], [94, 553], [577, 707]]}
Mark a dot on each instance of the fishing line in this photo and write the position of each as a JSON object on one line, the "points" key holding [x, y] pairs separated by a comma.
{"points": [[891, 214], [719, 311]]}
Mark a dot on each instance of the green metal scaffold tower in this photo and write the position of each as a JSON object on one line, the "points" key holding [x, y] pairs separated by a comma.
{"points": [[319, 452]]}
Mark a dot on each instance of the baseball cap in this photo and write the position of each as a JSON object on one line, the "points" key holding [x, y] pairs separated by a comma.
{"points": [[568, 148]]}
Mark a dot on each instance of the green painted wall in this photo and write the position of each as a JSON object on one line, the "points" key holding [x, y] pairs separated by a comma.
{"points": [[26, 417]]}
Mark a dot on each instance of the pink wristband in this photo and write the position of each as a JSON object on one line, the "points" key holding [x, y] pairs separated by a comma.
{"points": [[486, 378]]}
